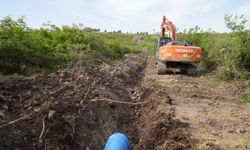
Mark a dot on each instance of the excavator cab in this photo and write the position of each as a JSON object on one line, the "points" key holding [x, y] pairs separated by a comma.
{"points": [[163, 41]]}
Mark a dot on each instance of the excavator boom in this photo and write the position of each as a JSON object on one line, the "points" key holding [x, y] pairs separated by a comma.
{"points": [[168, 25]]}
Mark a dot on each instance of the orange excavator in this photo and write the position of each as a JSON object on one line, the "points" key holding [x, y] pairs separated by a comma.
{"points": [[173, 54]]}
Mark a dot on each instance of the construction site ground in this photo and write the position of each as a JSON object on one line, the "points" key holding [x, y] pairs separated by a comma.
{"points": [[79, 108]]}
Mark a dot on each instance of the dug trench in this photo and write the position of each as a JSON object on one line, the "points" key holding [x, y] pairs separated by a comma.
{"points": [[79, 108]]}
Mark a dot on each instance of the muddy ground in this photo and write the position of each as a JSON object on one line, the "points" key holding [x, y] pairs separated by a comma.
{"points": [[79, 108]]}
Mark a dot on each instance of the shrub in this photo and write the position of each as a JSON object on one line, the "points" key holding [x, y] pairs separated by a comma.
{"points": [[26, 51]]}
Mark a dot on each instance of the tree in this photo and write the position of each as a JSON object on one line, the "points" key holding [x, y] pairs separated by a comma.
{"points": [[236, 23]]}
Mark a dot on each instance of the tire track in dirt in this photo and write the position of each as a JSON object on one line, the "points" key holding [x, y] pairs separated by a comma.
{"points": [[216, 119]]}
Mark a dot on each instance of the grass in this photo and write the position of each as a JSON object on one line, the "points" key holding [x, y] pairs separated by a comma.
{"points": [[245, 98], [28, 51]]}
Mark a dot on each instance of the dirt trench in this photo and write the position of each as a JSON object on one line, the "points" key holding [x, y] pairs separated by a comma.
{"points": [[79, 108], [69, 109]]}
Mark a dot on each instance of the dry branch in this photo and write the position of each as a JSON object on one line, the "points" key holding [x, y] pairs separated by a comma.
{"points": [[15, 121], [116, 101], [42, 128]]}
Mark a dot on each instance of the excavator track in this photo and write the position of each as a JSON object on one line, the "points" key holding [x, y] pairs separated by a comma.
{"points": [[161, 67], [189, 70]]}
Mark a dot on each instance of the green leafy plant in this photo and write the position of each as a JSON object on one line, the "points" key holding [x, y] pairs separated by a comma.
{"points": [[245, 98], [227, 55], [27, 51]]}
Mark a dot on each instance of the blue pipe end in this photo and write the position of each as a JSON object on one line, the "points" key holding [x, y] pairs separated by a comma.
{"points": [[117, 141]]}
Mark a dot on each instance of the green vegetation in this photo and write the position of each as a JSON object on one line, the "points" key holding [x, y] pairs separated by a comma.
{"points": [[225, 54], [245, 98], [26, 51]]}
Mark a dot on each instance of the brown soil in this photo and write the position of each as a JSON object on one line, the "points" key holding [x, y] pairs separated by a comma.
{"points": [[79, 108], [210, 107]]}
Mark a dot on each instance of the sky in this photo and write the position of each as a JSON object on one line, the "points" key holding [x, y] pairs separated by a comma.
{"points": [[127, 15]]}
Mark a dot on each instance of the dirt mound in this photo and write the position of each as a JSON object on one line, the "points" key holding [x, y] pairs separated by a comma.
{"points": [[63, 111], [79, 108]]}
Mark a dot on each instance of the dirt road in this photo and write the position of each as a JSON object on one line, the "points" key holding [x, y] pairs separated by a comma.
{"points": [[79, 108], [216, 120]]}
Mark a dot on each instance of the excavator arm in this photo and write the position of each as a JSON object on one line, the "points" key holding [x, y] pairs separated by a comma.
{"points": [[168, 25]]}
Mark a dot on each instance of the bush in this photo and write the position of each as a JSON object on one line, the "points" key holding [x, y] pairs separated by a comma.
{"points": [[27, 51], [225, 54], [245, 99]]}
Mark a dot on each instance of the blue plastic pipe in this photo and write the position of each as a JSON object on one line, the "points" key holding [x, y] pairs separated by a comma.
{"points": [[117, 141]]}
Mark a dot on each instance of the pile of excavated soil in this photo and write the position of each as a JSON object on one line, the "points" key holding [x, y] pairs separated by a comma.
{"points": [[79, 108], [62, 110]]}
